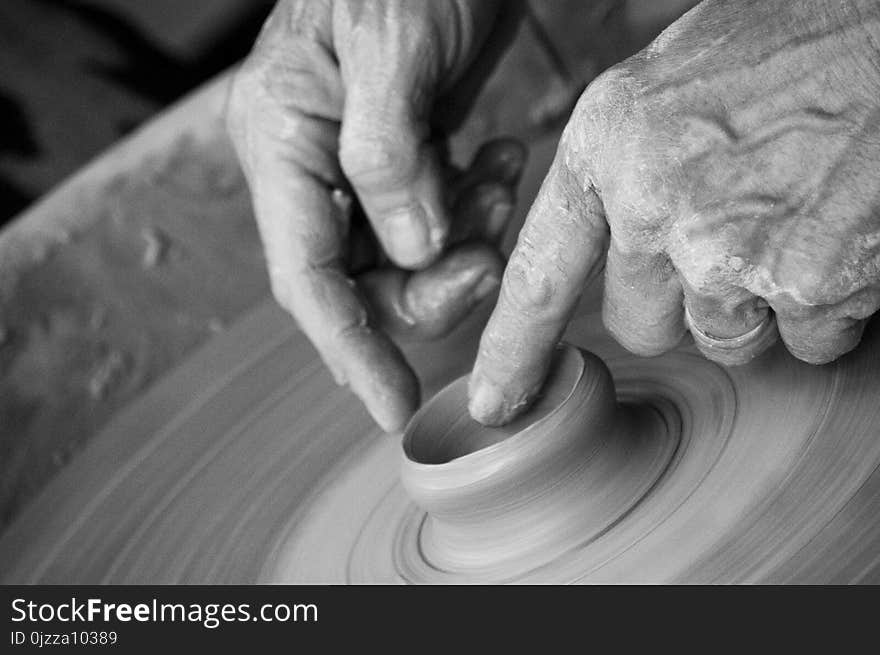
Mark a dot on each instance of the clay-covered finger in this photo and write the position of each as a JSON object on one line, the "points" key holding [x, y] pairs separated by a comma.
{"points": [[429, 303], [561, 245], [303, 227], [642, 304], [731, 326], [284, 129], [820, 334]]}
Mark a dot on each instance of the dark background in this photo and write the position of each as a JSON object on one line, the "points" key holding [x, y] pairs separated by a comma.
{"points": [[75, 75]]}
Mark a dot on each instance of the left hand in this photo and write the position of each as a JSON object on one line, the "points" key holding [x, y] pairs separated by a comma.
{"points": [[338, 101]]}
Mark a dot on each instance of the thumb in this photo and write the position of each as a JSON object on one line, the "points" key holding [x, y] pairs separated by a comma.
{"points": [[395, 173], [393, 64]]}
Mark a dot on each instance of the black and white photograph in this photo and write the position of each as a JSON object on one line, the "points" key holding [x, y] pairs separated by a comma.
{"points": [[312, 294]]}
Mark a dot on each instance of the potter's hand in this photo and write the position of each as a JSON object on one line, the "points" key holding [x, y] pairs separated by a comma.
{"points": [[731, 165], [335, 101]]}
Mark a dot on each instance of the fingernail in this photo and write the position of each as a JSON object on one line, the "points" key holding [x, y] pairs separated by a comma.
{"points": [[499, 215], [486, 403], [408, 237], [486, 286]]}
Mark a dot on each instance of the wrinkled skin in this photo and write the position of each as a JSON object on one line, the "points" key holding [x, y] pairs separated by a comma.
{"points": [[730, 168], [367, 232], [727, 174]]}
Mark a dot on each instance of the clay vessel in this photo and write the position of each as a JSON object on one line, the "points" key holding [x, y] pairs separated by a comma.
{"points": [[500, 500]]}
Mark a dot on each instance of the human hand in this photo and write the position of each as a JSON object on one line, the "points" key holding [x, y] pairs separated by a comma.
{"points": [[728, 169], [334, 102]]}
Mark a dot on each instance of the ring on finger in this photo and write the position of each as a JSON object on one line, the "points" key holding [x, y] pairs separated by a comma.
{"points": [[738, 349]]}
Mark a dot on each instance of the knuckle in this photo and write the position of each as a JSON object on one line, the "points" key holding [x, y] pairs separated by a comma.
{"points": [[606, 104], [705, 273], [528, 287], [862, 304], [617, 124], [613, 87], [814, 270], [277, 84], [632, 338], [573, 163], [252, 111], [375, 160], [814, 284]]}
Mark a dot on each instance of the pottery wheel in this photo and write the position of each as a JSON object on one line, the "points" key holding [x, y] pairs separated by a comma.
{"points": [[247, 464]]}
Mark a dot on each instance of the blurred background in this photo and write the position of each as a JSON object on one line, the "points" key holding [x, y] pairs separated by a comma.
{"points": [[76, 75]]}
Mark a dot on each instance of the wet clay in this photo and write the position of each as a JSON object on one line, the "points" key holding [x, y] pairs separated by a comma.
{"points": [[248, 464], [506, 500]]}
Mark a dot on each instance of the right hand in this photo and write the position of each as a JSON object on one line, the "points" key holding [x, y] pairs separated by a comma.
{"points": [[335, 100], [726, 179]]}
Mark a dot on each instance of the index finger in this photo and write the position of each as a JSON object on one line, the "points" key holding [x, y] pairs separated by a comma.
{"points": [[304, 231], [559, 249]]}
